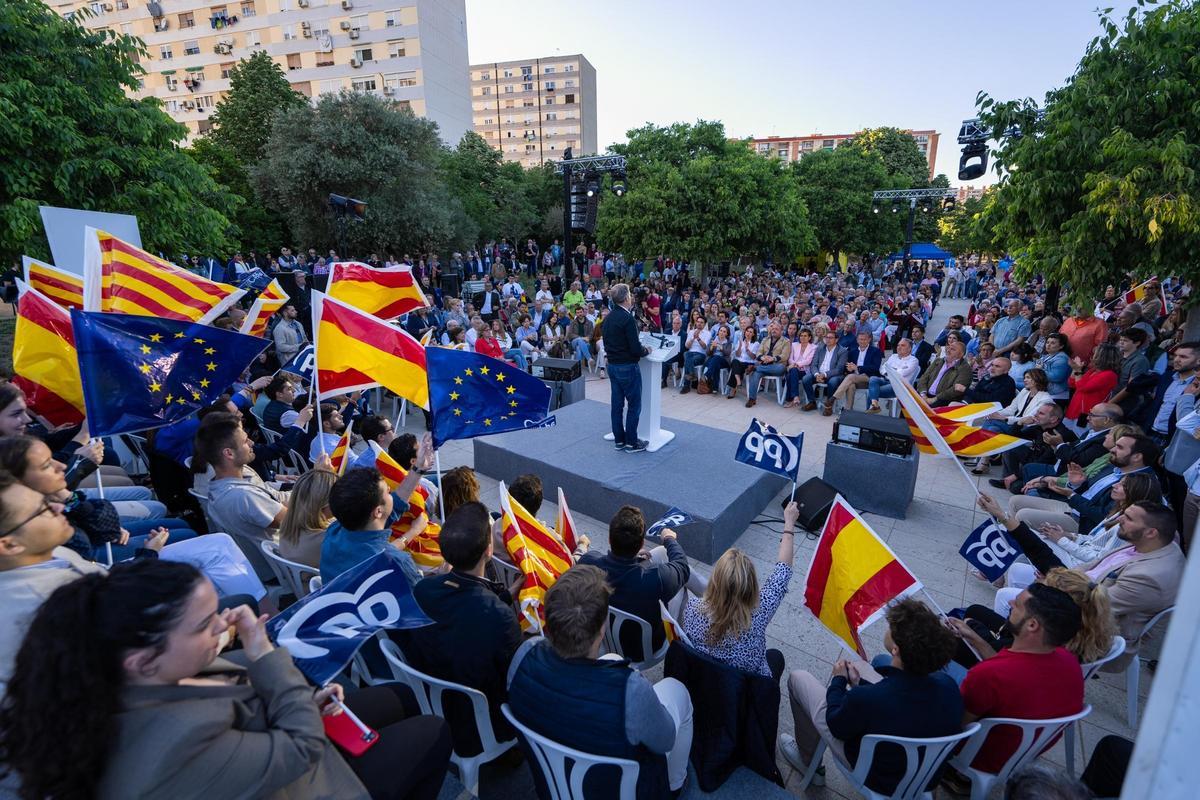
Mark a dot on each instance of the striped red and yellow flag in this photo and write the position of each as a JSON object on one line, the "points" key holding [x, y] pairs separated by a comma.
{"points": [[62, 287], [938, 435], [540, 555], [384, 293], [424, 547], [853, 576], [355, 350], [45, 363], [564, 524], [967, 412], [342, 453], [1140, 292], [120, 277], [270, 300]]}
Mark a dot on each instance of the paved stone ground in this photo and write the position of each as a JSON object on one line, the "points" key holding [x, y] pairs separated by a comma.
{"points": [[941, 514]]}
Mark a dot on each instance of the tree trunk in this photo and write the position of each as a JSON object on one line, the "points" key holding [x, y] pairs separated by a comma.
{"points": [[1191, 327]]}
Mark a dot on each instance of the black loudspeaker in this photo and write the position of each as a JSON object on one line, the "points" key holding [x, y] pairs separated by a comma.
{"points": [[450, 284], [815, 497]]}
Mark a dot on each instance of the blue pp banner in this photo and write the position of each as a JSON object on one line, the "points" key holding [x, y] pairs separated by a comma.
{"points": [[324, 630], [302, 364], [255, 279], [766, 448], [990, 550], [674, 518]]}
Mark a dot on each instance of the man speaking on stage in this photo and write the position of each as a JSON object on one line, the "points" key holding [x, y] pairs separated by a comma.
{"points": [[623, 350]]}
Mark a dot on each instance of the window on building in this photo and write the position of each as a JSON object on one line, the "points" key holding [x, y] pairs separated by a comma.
{"points": [[392, 19], [172, 83], [764, 148], [530, 148], [171, 106], [289, 32], [508, 73], [487, 90], [527, 104], [362, 22], [783, 152], [164, 52], [508, 89], [526, 71], [225, 70], [405, 79], [187, 20], [364, 85], [331, 87], [320, 29], [569, 68], [253, 39], [526, 87], [248, 10], [404, 105], [570, 84], [549, 86], [204, 101], [806, 145], [204, 126], [508, 134], [827, 144], [549, 70], [364, 54], [293, 61], [324, 60], [549, 101], [570, 99], [191, 47], [551, 115], [508, 104], [485, 76]]}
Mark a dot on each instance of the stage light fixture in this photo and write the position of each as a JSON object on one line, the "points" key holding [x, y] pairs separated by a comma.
{"points": [[948, 204], [593, 184], [874, 208], [618, 184], [896, 206], [974, 161]]}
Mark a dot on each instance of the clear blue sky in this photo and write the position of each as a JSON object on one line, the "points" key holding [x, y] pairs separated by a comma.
{"points": [[790, 68]]}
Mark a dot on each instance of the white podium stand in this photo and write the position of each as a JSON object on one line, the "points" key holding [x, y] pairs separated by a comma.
{"points": [[663, 347]]}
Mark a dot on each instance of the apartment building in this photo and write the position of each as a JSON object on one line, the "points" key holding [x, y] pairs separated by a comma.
{"points": [[411, 51], [966, 193], [793, 148], [533, 110]]}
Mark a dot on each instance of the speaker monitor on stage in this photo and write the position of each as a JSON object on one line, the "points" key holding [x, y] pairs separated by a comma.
{"points": [[815, 497], [450, 284]]}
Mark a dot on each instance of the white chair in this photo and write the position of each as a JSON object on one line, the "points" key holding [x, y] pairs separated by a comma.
{"points": [[1133, 672], [137, 446], [922, 759], [314, 584], [289, 573], [618, 619], [780, 385], [1089, 669], [430, 692], [1036, 736], [566, 783]]}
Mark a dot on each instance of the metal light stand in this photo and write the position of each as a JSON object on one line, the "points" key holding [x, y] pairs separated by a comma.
{"points": [[912, 196], [570, 167]]}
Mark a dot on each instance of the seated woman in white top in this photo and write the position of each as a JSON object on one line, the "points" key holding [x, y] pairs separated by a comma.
{"points": [[1028, 400], [744, 355]]}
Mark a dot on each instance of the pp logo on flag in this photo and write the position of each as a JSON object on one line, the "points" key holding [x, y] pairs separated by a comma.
{"points": [[302, 364], [674, 518], [766, 448], [990, 550]]}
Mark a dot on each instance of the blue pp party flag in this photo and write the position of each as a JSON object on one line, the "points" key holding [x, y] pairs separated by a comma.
{"points": [[766, 448], [990, 550], [475, 395], [324, 630], [140, 373], [674, 518]]}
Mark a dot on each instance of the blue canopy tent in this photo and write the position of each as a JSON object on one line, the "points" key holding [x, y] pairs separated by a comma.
{"points": [[923, 251]]}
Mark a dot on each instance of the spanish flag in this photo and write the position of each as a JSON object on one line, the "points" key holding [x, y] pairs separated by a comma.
{"points": [[120, 277], [564, 525], [342, 454], [384, 293], [1140, 292], [939, 435], [540, 555], [853, 576], [62, 287], [424, 547], [355, 351], [265, 305], [45, 363]]}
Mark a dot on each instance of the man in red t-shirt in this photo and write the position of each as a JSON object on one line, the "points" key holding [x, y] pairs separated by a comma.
{"points": [[1035, 678]]}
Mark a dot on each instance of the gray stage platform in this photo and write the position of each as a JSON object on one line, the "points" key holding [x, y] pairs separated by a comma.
{"points": [[695, 472]]}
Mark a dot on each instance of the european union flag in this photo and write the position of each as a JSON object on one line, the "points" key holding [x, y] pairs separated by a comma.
{"points": [[140, 373], [475, 395]]}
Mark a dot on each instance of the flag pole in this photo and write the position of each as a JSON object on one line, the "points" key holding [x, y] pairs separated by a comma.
{"points": [[367, 733], [316, 379], [437, 461], [402, 415], [100, 490], [944, 615]]}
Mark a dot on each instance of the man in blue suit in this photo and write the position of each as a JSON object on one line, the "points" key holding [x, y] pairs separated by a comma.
{"points": [[862, 364], [828, 368]]}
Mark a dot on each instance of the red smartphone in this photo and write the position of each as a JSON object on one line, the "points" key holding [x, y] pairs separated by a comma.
{"points": [[342, 731]]}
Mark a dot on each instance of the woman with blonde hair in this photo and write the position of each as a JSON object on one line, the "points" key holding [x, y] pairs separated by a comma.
{"points": [[730, 622], [302, 531]]}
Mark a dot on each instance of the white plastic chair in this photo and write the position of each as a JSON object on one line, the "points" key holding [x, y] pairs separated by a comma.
{"points": [[922, 759], [617, 619], [567, 783], [290, 573], [780, 385], [1036, 735], [1089, 669], [1133, 671], [429, 692]]}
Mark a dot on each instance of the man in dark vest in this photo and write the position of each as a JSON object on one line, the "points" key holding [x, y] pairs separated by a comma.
{"points": [[556, 682]]}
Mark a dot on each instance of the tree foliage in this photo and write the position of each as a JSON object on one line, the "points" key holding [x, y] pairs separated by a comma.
{"points": [[1106, 182], [696, 195], [837, 186], [898, 150], [965, 228], [258, 91], [70, 137], [368, 148], [500, 197]]}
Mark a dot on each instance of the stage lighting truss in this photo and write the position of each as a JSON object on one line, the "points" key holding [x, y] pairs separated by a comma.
{"points": [[974, 138], [904, 198]]}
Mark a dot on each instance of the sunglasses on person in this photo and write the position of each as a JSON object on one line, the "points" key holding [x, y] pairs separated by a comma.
{"points": [[48, 505]]}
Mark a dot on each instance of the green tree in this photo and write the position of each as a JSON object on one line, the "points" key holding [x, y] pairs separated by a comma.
{"points": [[964, 229], [1106, 182], [258, 91], [837, 186], [496, 195], [901, 155], [70, 137], [365, 147], [696, 195]]}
